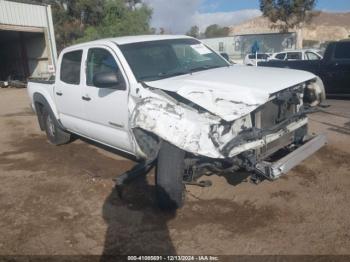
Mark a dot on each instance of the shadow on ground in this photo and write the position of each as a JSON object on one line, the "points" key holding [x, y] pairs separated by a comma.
{"points": [[135, 225]]}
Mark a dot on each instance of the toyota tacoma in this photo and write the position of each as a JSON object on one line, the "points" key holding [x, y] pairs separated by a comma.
{"points": [[172, 101]]}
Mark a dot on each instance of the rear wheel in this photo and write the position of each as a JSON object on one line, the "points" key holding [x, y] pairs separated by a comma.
{"points": [[54, 133], [169, 176]]}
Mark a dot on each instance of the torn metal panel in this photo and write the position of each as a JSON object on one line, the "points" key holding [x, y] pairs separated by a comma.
{"points": [[228, 92], [229, 106], [267, 138], [180, 126], [202, 135], [223, 133], [216, 123]]}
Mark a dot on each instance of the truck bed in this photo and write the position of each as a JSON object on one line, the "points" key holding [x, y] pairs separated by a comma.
{"points": [[45, 87]]}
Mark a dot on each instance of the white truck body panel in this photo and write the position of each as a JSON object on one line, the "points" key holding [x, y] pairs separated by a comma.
{"points": [[228, 94], [47, 90]]}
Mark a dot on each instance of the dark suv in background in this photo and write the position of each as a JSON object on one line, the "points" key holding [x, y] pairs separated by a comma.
{"points": [[333, 69]]}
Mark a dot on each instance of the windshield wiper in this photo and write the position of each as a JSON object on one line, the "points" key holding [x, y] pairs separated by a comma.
{"points": [[167, 74], [201, 68], [163, 75]]}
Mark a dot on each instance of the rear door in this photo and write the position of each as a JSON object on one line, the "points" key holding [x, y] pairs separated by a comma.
{"points": [[68, 90], [106, 109]]}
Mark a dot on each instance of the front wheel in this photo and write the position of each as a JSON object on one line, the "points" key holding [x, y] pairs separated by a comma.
{"points": [[54, 133], [169, 176]]}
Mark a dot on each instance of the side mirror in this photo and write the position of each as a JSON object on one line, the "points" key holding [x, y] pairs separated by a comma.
{"points": [[106, 80]]}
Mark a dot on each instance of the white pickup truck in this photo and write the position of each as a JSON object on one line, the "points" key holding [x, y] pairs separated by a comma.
{"points": [[173, 101]]}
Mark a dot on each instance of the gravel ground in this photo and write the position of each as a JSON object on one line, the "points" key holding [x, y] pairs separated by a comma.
{"points": [[60, 199]]}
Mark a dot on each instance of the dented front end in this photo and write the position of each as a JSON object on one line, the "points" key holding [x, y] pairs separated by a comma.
{"points": [[257, 131], [177, 123]]}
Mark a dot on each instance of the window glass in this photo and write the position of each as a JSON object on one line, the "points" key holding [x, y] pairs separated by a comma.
{"points": [[294, 56], [312, 56], [70, 67], [281, 56], [99, 60], [342, 50], [160, 59]]}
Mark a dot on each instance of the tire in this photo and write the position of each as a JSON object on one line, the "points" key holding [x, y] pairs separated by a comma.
{"points": [[54, 133], [169, 177]]}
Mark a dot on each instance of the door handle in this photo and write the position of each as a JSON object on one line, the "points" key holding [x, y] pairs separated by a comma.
{"points": [[59, 93], [86, 98]]}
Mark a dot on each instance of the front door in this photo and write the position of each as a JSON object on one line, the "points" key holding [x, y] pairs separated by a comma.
{"points": [[106, 109]]}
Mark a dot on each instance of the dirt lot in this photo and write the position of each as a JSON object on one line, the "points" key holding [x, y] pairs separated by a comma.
{"points": [[60, 200]]}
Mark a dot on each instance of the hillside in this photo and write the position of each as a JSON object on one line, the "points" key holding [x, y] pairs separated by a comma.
{"points": [[324, 27]]}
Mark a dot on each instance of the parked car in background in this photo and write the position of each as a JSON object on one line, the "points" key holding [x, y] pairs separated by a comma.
{"points": [[333, 69], [252, 59], [305, 54], [172, 101]]}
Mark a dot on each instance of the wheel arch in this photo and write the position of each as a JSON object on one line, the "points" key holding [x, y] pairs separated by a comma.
{"points": [[41, 103]]}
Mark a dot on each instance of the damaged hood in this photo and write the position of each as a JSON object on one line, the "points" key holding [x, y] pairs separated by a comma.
{"points": [[232, 92]]}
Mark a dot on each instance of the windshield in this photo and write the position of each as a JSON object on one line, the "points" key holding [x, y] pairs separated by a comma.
{"points": [[160, 59]]}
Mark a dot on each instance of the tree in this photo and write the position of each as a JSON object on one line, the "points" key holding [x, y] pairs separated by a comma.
{"points": [[85, 20], [289, 14], [194, 31], [216, 31], [119, 19]]}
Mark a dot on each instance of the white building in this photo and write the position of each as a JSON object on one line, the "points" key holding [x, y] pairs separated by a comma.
{"points": [[238, 46], [27, 40]]}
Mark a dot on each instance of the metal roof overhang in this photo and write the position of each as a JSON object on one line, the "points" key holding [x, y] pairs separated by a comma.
{"points": [[20, 28]]}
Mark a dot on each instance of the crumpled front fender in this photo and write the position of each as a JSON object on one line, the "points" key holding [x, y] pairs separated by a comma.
{"points": [[182, 126]]}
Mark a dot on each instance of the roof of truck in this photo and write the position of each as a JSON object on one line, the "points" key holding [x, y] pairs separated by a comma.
{"points": [[130, 39], [144, 38]]}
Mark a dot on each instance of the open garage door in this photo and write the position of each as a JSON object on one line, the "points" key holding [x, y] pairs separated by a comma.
{"points": [[23, 55]]}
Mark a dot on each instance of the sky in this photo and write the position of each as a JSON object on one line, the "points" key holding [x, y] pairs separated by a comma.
{"points": [[234, 5], [177, 16]]}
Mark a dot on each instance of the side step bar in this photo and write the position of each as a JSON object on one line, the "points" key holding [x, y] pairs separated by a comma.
{"points": [[273, 170]]}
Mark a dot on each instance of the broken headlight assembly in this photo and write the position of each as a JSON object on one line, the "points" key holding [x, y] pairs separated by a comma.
{"points": [[314, 93]]}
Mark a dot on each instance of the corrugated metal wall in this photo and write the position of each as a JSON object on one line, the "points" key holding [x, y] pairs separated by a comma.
{"points": [[37, 47], [21, 14]]}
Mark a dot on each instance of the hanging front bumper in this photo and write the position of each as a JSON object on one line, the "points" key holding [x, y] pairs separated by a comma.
{"points": [[273, 170]]}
